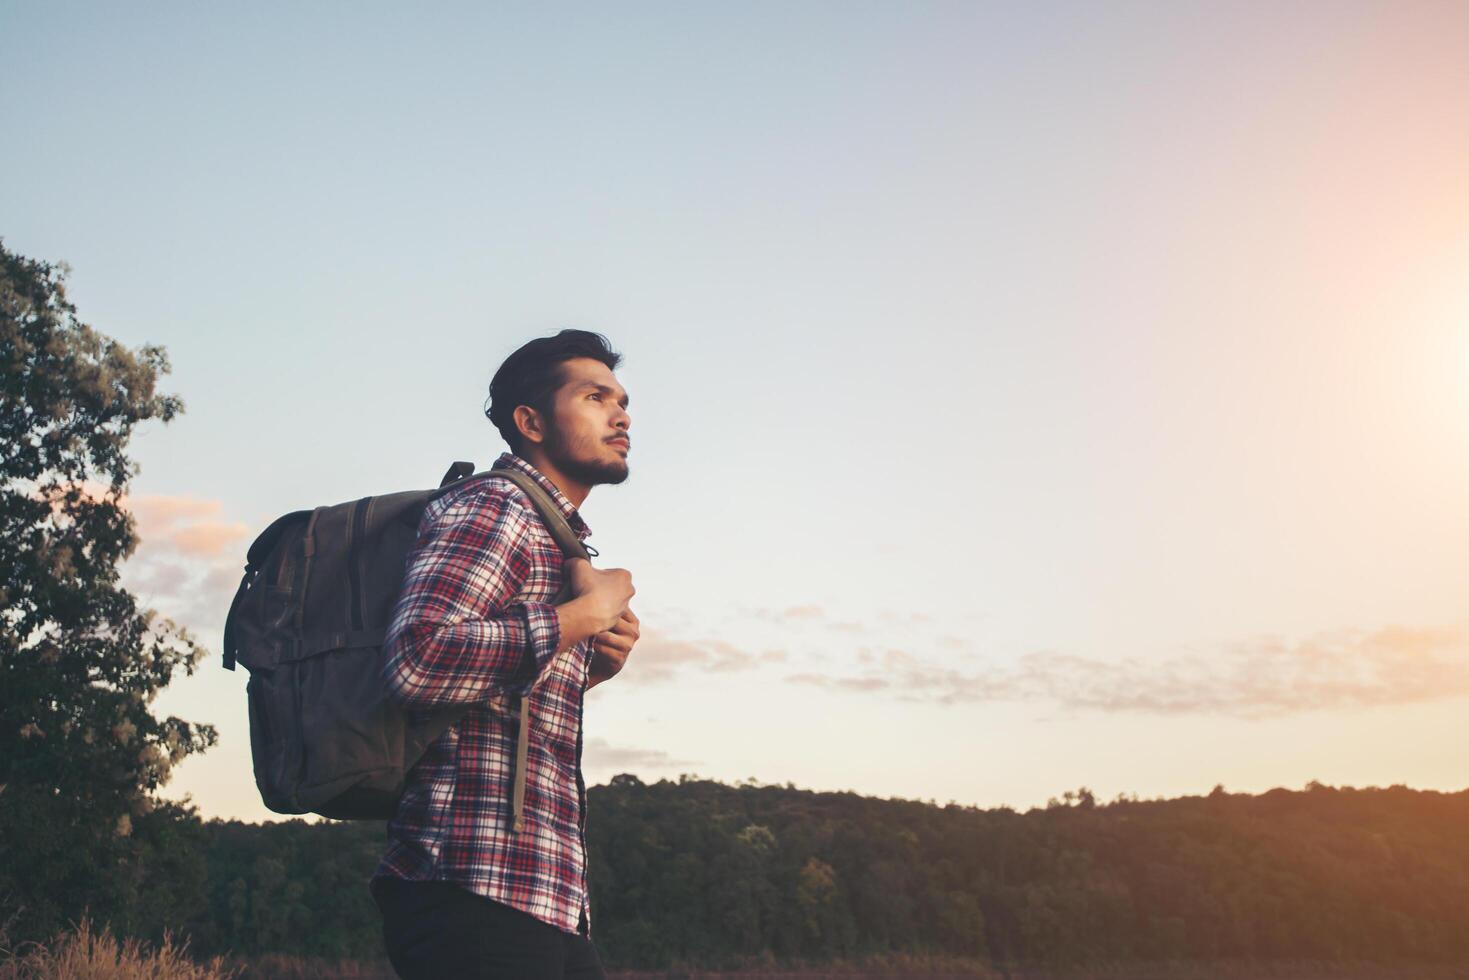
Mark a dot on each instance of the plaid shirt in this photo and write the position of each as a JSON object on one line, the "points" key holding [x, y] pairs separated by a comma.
{"points": [[474, 620]]}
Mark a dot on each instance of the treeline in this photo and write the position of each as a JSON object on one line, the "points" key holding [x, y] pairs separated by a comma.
{"points": [[697, 872], [708, 873]]}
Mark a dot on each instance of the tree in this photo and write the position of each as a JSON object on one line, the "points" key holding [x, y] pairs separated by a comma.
{"points": [[81, 753]]}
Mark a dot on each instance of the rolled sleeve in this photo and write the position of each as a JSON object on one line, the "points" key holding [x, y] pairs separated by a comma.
{"points": [[458, 634], [543, 627]]}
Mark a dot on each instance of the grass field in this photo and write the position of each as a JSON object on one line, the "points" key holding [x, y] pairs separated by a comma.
{"points": [[89, 954]]}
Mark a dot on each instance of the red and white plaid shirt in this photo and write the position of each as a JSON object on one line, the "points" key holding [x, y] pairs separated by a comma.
{"points": [[475, 620]]}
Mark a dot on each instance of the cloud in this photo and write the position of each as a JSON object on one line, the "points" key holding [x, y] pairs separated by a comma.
{"points": [[166, 577], [657, 656], [196, 595], [787, 614], [598, 753], [189, 558], [904, 621], [208, 603], [187, 526], [909, 617], [1254, 679], [842, 683]]}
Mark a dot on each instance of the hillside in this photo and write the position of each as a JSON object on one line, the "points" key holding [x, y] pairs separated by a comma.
{"points": [[700, 872]]}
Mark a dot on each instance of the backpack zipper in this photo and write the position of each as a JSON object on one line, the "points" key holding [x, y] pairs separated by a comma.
{"points": [[357, 530]]}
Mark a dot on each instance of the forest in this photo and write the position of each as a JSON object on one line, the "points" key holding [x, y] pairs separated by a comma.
{"points": [[701, 873]]}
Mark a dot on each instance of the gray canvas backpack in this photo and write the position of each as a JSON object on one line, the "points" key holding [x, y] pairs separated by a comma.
{"points": [[308, 621]]}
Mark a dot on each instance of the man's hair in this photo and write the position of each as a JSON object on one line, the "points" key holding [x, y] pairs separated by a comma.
{"points": [[532, 374]]}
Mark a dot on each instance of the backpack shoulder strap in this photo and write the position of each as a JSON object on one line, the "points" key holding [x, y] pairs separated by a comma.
{"points": [[458, 470], [555, 521], [461, 471]]}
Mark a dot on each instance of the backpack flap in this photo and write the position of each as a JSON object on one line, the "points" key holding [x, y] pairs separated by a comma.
{"points": [[271, 579]]}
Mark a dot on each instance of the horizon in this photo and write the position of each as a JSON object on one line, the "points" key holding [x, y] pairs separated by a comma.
{"points": [[1068, 799]]}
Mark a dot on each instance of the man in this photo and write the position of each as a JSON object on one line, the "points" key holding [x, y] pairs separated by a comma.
{"points": [[463, 894]]}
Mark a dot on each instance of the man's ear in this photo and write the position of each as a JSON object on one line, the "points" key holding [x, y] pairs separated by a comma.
{"points": [[528, 421]]}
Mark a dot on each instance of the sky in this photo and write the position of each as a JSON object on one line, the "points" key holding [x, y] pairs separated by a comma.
{"points": [[1024, 396]]}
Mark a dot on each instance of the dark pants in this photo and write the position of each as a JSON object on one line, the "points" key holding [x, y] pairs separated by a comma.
{"points": [[436, 930]]}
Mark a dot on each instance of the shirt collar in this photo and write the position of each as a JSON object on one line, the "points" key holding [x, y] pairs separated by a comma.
{"points": [[567, 508]]}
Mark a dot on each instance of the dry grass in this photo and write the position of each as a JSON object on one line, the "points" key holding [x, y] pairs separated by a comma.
{"points": [[81, 954], [85, 954], [281, 967], [909, 967], [901, 967]]}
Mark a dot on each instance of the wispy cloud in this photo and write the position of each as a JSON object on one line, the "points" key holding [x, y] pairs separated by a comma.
{"points": [[189, 558], [598, 753], [842, 683], [1258, 678], [812, 614], [186, 526], [787, 614], [904, 617], [658, 656]]}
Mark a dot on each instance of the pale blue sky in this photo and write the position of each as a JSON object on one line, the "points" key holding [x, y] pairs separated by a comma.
{"points": [[1088, 378]]}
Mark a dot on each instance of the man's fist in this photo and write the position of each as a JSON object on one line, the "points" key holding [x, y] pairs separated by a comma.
{"points": [[610, 648], [605, 592]]}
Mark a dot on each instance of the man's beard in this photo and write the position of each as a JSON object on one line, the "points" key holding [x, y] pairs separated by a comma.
{"points": [[588, 473]]}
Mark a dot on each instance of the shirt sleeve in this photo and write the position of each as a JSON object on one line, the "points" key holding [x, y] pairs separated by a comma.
{"points": [[456, 634]]}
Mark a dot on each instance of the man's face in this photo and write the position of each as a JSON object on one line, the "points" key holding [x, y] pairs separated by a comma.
{"points": [[588, 438]]}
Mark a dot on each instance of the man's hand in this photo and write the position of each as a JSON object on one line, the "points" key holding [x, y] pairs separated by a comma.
{"points": [[611, 647], [602, 592]]}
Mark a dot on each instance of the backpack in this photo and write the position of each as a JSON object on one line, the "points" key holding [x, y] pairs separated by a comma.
{"points": [[308, 621]]}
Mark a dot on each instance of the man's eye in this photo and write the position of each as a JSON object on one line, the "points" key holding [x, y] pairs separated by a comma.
{"points": [[594, 395]]}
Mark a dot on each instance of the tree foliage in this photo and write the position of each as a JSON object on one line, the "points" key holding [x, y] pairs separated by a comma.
{"points": [[696, 874], [81, 753]]}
